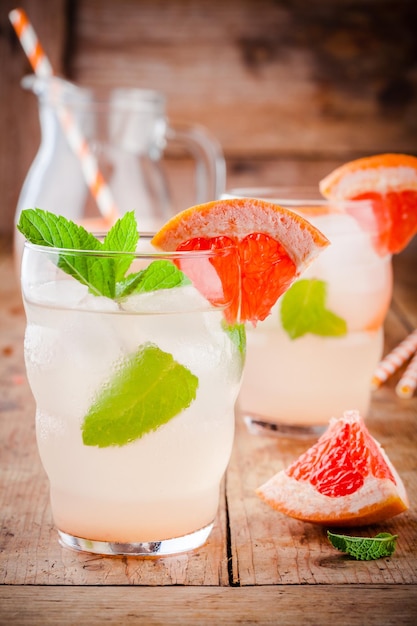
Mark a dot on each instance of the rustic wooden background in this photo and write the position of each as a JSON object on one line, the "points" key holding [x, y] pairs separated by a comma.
{"points": [[290, 88]]}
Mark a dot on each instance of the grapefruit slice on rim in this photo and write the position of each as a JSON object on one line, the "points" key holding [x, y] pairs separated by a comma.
{"points": [[344, 479], [274, 246], [389, 182]]}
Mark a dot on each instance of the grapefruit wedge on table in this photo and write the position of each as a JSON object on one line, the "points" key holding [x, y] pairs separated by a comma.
{"points": [[274, 246], [344, 479], [389, 182]]}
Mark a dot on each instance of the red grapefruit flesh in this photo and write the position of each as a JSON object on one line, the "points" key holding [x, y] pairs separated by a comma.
{"points": [[274, 246], [345, 479]]}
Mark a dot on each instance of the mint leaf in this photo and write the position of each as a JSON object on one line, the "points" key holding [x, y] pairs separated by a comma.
{"points": [[237, 334], [47, 229], [98, 273], [160, 274], [122, 237], [303, 310], [364, 548], [103, 275], [147, 390]]}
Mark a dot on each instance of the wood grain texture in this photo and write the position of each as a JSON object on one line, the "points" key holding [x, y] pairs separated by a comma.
{"points": [[323, 605], [268, 547], [266, 77]]}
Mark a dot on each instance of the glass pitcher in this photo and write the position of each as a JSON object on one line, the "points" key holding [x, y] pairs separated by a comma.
{"points": [[122, 136]]}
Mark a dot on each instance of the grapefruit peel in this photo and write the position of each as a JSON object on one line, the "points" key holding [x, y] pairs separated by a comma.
{"points": [[380, 173], [364, 488], [274, 247], [387, 186]]}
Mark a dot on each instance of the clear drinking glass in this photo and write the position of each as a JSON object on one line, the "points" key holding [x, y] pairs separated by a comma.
{"points": [[134, 399], [315, 355]]}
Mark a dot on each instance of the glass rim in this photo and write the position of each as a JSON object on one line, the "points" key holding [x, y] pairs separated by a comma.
{"points": [[139, 254], [308, 202], [296, 195]]}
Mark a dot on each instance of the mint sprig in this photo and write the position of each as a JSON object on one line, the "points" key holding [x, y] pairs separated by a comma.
{"points": [[103, 275], [47, 229], [364, 548], [303, 310]]}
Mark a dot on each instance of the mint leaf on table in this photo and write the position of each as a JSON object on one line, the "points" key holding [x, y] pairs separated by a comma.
{"points": [[160, 274], [303, 310], [148, 390], [364, 548]]}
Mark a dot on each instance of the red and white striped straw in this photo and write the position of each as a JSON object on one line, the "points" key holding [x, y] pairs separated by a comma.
{"points": [[395, 359], [43, 68], [408, 382]]}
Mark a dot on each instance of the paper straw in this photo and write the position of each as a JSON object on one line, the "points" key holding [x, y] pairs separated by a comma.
{"points": [[395, 359], [43, 68], [30, 43], [408, 381]]}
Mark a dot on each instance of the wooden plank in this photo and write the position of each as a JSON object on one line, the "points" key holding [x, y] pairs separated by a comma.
{"points": [[285, 605], [265, 77]]}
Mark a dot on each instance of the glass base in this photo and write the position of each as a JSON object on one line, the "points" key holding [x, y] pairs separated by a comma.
{"points": [[164, 547], [258, 425]]}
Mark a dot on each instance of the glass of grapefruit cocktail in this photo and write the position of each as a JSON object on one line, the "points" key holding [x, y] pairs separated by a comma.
{"points": [[134, 351], [314, 356]]}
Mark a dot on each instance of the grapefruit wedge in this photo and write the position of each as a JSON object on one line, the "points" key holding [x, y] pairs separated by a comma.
{"points": [[274, 245], [345, 479], [389, 182]]}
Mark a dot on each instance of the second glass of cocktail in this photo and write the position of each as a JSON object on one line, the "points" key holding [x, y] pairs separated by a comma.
{"points": [[315, 355]]}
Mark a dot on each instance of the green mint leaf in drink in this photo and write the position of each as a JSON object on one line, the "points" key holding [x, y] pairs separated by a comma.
{"points": [[147, 390], [303, 310], [237, 334], [47, 229], [103, 275], [160, 274], [98, 273], [364, 548], [122, 237]]}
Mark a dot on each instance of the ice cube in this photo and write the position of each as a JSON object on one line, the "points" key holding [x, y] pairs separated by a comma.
{"points": [[98, 303], [70, 354], [60, 293]]}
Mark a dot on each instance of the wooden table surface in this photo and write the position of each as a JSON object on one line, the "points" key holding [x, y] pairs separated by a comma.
{"points": [[258, 567]]}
